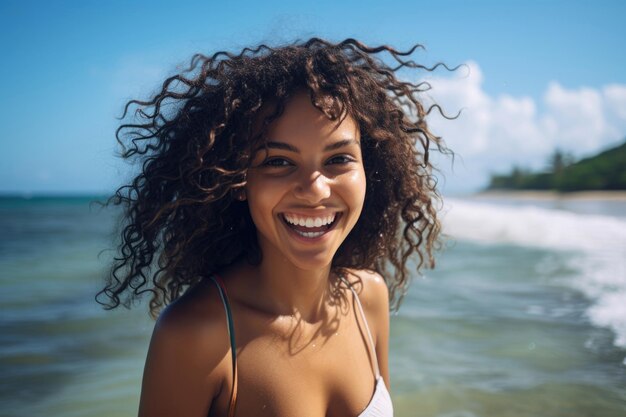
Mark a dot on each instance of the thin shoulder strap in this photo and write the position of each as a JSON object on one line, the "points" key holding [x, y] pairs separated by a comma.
{"points": [[231, 334], [374, 358]]}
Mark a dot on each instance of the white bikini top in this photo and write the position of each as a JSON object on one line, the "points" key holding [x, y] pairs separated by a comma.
{"points": [[380, 404]]}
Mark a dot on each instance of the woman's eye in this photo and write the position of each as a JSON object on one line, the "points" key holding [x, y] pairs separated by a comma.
{"points": [[340, 159], [277, 162]]}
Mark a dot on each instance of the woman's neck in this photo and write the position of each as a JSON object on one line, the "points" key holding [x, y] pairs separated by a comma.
{"points": [[282, 289]]}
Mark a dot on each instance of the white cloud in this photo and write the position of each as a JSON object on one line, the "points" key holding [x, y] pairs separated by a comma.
{"points": [[492, 133], [615, 104], [574, 118]]}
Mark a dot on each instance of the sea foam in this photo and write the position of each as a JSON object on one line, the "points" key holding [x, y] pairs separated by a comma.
{"points": [[600, 240]]}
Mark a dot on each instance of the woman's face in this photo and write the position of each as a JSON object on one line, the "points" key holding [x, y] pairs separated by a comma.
{"points": [[306, 191]]}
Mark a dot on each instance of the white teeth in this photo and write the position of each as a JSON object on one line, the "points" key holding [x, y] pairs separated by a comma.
{"points": [[310, 221], [309, 234]]}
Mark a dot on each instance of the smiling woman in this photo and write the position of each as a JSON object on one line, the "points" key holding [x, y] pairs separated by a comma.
{"points": [[282, 192], [311, 174]]}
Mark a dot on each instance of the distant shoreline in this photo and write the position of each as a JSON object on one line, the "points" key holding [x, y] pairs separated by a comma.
{"points": [[552, 195]]}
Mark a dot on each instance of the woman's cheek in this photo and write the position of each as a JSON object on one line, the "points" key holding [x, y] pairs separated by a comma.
{"points": [[354, 189]]}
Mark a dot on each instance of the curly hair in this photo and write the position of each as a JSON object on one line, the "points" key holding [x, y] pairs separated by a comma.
{"points": [[194, 140]]}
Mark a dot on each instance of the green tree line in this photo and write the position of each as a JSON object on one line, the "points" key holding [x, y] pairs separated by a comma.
{"points": [[604, 171]]}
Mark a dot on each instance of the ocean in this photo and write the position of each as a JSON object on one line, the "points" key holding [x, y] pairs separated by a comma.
{"points": [[524, 314]]}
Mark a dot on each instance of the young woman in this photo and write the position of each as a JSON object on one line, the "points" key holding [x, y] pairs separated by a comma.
{"points": [[281, 194]]}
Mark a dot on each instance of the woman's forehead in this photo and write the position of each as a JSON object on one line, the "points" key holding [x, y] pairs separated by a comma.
{"points": [[300, 117]]}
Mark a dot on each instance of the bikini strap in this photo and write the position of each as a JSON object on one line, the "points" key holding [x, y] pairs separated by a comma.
{"points": [[231, 335], [372, 350]]}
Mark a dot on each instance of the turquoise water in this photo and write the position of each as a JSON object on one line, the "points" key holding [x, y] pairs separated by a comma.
{"points": [[525, 314]]}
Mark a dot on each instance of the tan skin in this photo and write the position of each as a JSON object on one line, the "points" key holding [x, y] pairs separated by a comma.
{"points": [[301, 346]]}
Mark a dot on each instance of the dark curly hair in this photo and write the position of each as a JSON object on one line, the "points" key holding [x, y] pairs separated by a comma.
{"points": [[194, 139]]}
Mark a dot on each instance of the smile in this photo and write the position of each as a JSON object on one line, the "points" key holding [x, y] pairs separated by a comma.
{"points": [[310, 228]]}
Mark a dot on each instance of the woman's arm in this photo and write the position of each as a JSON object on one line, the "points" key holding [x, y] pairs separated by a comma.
{"points": [[182, 374]]}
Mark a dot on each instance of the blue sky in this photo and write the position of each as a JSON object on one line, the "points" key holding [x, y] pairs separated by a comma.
{"points": [[542, 74]]}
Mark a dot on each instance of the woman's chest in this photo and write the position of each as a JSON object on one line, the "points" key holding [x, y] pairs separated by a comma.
{"points": [[287, 370]]}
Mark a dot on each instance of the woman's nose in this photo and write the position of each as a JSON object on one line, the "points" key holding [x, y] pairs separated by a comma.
{"points": [[312, 187]]}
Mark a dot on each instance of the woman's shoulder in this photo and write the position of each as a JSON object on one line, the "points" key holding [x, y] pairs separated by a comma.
{"points": [[198, 316], [371, 289], [192, 332]]}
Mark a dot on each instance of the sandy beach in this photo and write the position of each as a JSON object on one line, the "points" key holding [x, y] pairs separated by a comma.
{"points": [[552, 195]]}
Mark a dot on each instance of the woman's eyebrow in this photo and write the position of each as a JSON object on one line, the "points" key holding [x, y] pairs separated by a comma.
{"points": [[280, 145], [341, 144], [287, 147]]}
